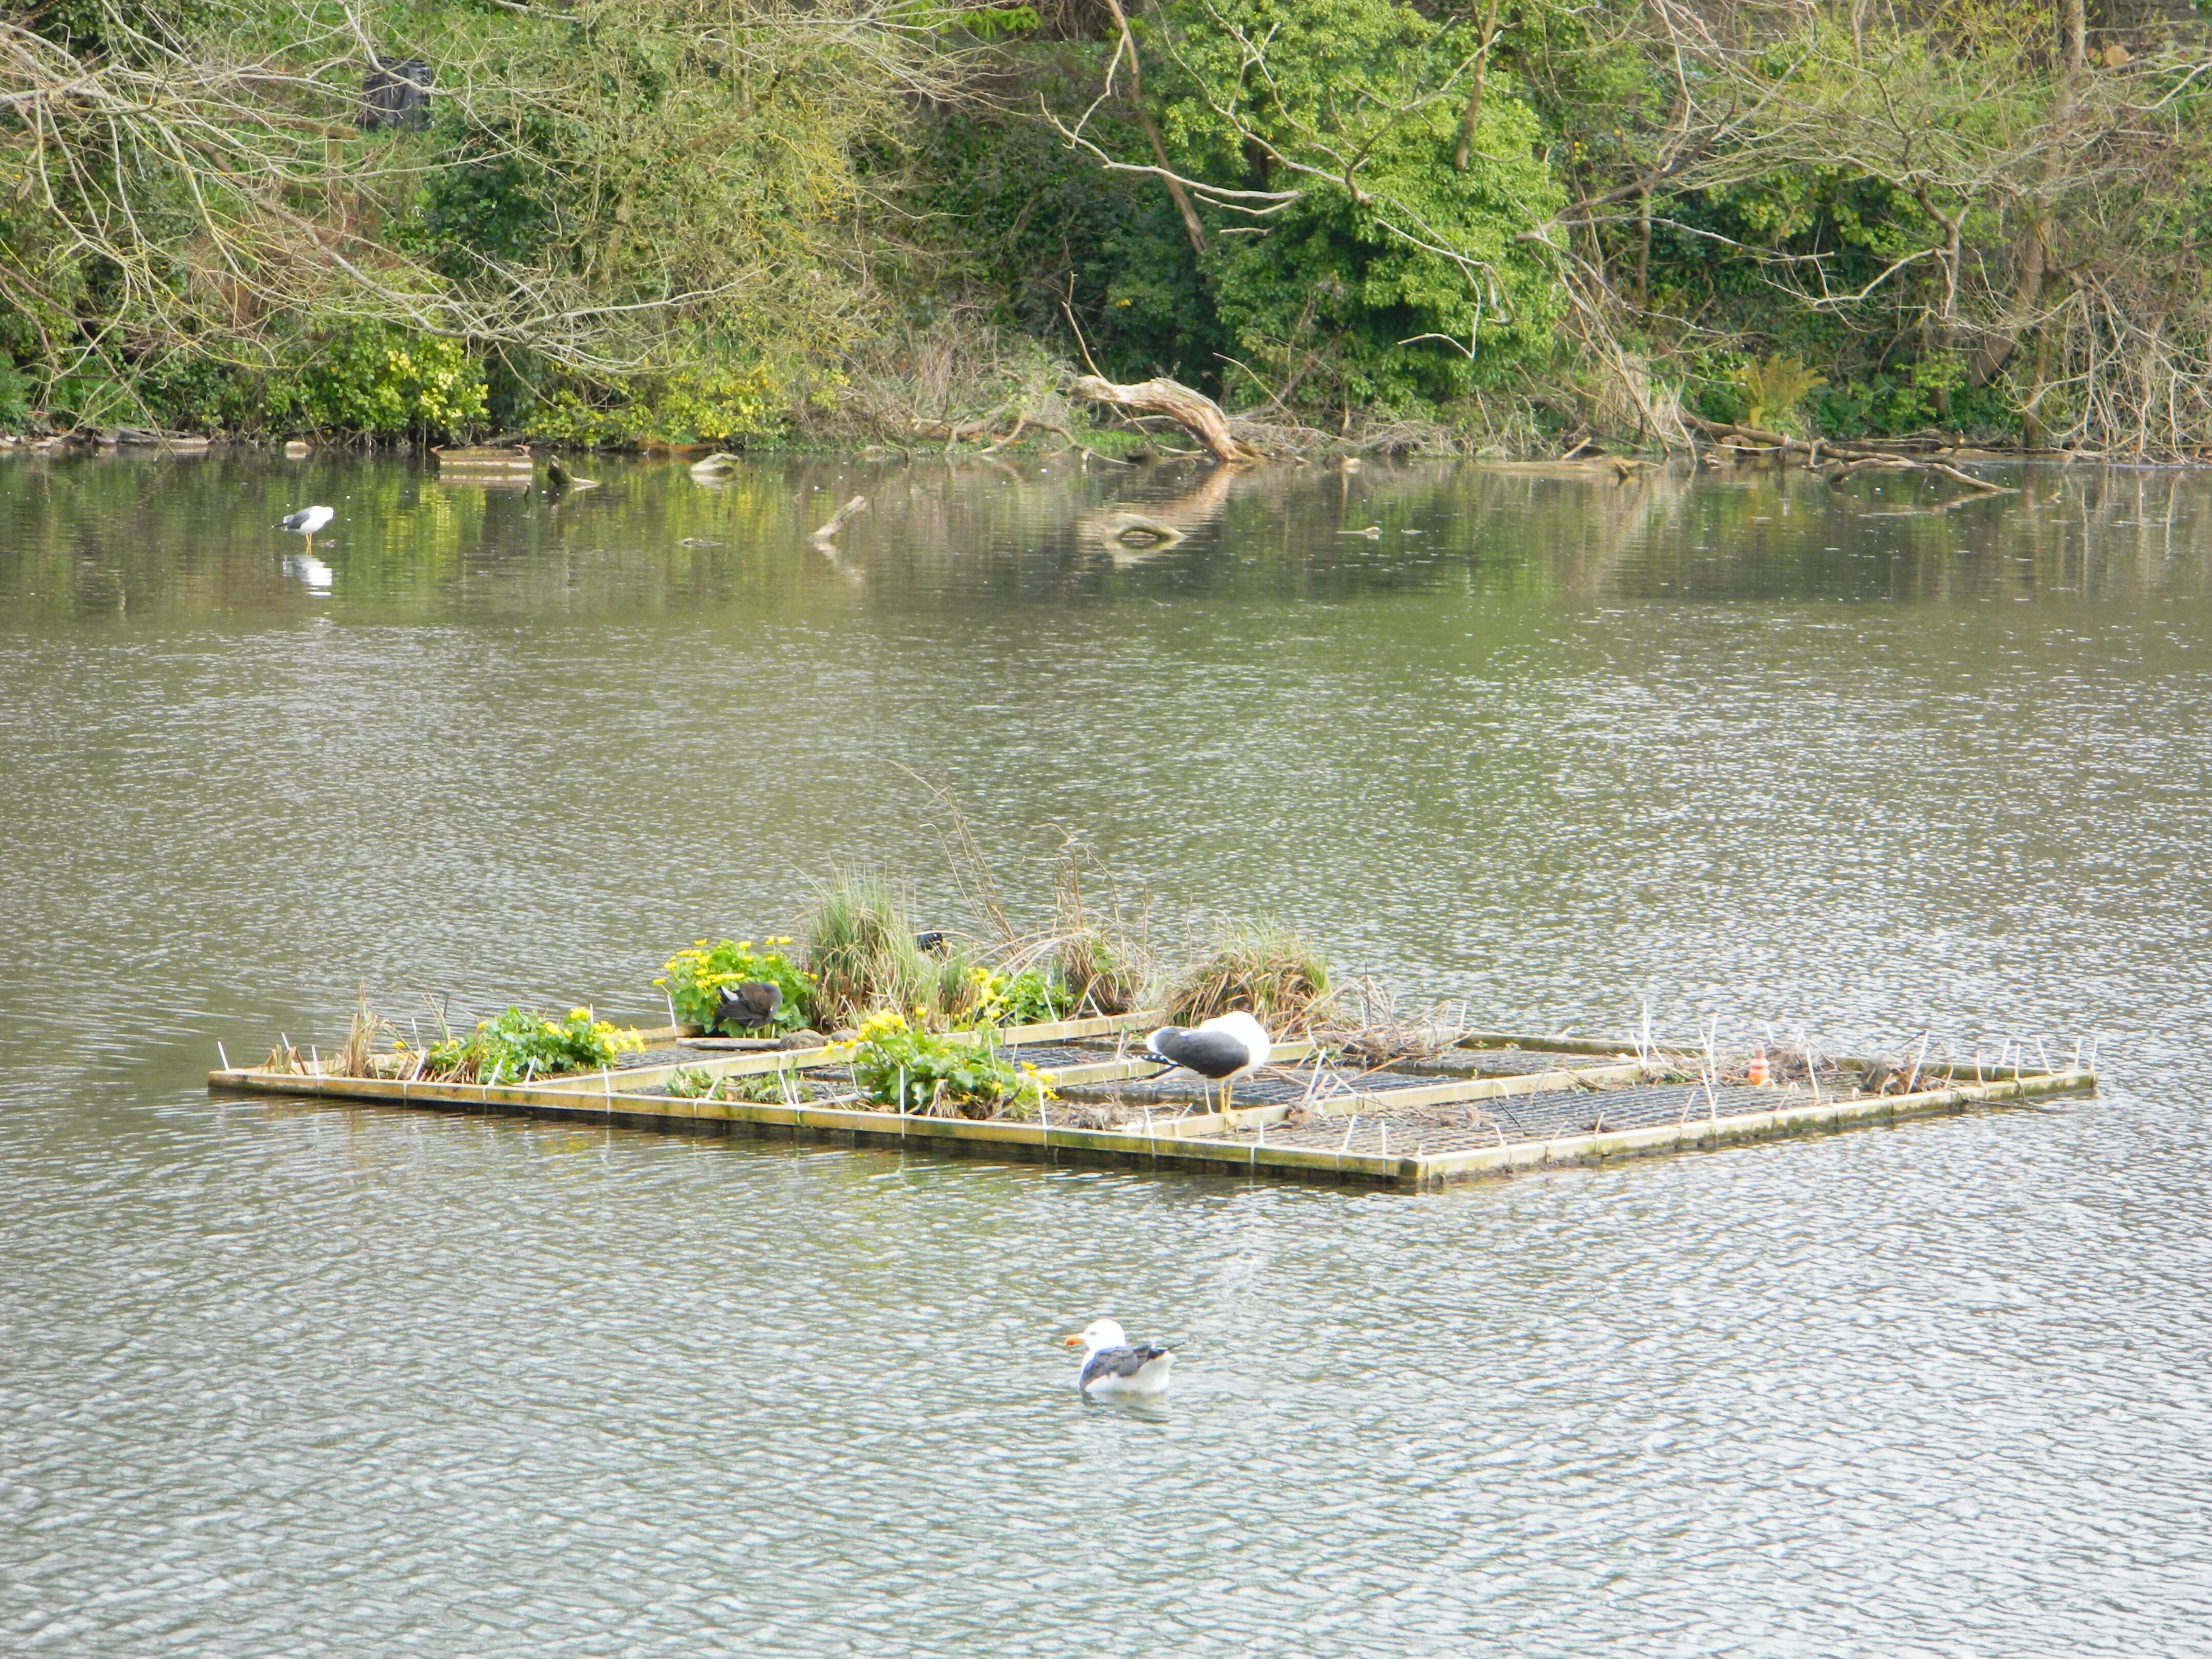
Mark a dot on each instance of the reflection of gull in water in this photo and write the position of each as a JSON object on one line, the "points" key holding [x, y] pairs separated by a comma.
{"points": [[306, 568]]}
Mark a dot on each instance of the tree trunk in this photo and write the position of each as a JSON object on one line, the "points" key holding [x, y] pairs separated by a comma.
{"points": [[1465, 150], [1193, 412], [2033, 249], [1644, 252], [1191, 227]]}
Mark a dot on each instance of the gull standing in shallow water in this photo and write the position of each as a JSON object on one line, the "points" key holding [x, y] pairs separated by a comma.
{"points": [[305, 522], [1220, 1049], [1112, 1364]]}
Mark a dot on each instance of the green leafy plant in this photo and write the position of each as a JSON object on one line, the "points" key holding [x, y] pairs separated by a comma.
{"points": [[693, 976], [901, 1068], [1394, 278], [754, 1088], [762, 1088], [373, 379], [721, 403], [14, 396], [515, 1045], [1030, 997], [1772, 389]]}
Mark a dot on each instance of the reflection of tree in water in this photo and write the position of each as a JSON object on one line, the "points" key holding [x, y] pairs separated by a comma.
{"points": [[1140, 525], [99, 536]]}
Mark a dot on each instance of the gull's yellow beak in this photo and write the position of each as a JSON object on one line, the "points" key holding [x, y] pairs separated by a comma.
{"points": [[1073, 1342]]}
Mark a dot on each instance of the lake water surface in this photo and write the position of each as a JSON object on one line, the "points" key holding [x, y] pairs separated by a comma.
{"points": [[280, 1379]]}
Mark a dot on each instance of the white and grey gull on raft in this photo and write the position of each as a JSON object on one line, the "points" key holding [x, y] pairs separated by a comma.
{"points": [[1113, 1365], [1220, 1049]]}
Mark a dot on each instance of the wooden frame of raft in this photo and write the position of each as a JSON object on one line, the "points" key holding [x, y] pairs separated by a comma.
{"points": [[1193, 1141]]}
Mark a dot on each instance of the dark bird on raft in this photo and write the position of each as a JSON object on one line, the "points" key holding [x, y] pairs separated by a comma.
{"points": [[1113, 1365], [1220, 1049], [748, 1007]]}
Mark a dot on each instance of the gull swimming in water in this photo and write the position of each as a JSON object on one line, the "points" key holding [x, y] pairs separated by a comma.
{"points": [[1220, 1049], [1112, 1364]]}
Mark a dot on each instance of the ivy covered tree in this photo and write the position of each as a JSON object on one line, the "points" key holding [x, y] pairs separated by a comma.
{"points": [[1313, 146]]}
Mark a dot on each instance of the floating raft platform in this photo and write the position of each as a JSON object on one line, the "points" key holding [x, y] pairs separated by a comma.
{"points": [[1492, 1105]]}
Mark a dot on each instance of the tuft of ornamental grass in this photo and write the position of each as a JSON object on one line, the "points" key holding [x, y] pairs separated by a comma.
{"points": [[358, 1057], [861, 948], [1264, 969], [1101, 950]]}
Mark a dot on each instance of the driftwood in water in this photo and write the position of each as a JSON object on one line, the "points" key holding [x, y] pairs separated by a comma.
{"points": [[1857, 465], [858, 504], [1851, 458], [481, 461], [1619, 468], [1193, 412]]}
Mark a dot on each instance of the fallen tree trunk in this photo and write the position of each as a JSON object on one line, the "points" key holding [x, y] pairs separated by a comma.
{"points": [[1853, 458], [1907, 464], [1193, 412]]}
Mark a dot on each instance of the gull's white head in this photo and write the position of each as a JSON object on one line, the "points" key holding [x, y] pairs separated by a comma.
{"points": [[1099, 1334]]}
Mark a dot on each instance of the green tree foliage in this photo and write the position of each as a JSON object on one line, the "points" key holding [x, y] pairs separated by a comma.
{"points": [[652, 200], [685, 220], [1011, 214], [1384, 276]]}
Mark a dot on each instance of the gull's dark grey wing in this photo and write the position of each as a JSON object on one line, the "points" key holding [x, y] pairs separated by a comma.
{"points": [[293, 520], [1209, 1054], [1118, 1362]]}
